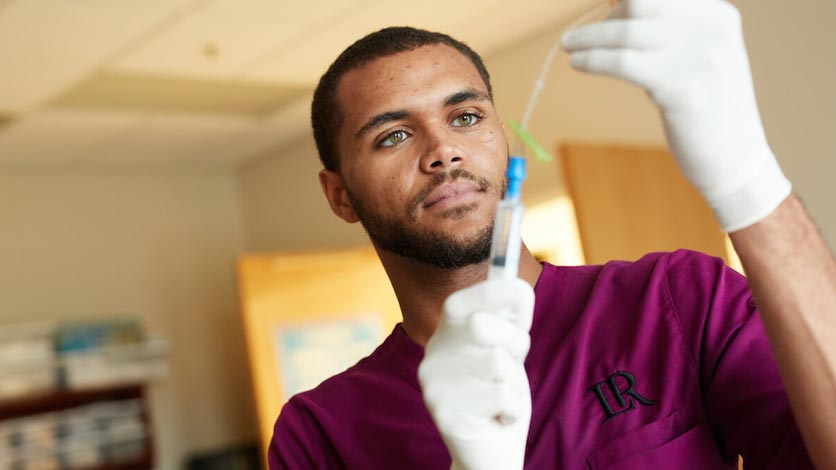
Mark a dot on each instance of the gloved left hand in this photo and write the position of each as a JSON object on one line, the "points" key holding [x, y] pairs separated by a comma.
{"points": [[473, 378], [690, 57]]}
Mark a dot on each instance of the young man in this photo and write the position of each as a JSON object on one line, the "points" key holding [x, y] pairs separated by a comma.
{"points": [[665, 362]]}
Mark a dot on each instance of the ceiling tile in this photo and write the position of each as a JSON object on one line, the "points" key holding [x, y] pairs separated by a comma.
{"points": [[222, 39], [59, 137], [293, 121], [483, 25], [5, 121], [241, 146], [502, 26], [47, 44], [187, 142], [166, 94], [279, 14], [200, 47], [303, 62]]}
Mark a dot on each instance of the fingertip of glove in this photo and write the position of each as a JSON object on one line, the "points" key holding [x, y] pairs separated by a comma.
{"points": [[567, 40]]}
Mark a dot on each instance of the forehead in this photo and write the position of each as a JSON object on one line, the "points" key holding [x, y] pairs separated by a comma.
{"points": [[408, 80]]}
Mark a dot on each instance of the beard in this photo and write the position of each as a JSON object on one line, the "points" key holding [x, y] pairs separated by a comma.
{"points": [[424, 246]]}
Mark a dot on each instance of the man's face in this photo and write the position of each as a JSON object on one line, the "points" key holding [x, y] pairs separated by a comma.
{"points": [[422, 155]]}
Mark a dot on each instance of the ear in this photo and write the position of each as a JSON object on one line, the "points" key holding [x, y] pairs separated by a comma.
{"points": [[334, 190]]}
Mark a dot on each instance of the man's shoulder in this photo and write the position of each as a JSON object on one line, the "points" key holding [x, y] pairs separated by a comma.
{"points": [[354, 380], [301, 432], [655, 264], [678, 283], [677, 259], [377, 375]]}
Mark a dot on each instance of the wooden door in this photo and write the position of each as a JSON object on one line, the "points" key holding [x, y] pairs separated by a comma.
{"points": [[308, 316], [634, 200]]}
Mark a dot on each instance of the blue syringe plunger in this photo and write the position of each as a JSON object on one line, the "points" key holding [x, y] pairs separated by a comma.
{"points": [[516, 175]]}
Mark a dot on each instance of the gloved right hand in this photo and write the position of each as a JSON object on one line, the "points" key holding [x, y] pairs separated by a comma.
{"points": [[691, 58], [473, 377]]}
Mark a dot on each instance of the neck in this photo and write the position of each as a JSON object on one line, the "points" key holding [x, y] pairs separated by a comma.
{"points": [[421, 290]]}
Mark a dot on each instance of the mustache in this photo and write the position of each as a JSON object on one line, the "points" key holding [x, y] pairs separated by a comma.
{"points": [[442, 178]]}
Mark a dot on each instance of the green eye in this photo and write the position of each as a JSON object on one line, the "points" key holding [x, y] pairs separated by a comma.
{"points": [[394, 138], [465, 120]]}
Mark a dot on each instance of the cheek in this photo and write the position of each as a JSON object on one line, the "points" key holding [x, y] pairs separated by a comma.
{"points": [[385, 189], [396, 173], [496, 139], [495, 145], [491, 139]]}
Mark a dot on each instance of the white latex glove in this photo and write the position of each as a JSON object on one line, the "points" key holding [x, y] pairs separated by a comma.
{"points": [[473, 378], [690, 56]]}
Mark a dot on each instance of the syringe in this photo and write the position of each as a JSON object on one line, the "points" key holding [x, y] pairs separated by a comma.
{"points": [[504, 262]]}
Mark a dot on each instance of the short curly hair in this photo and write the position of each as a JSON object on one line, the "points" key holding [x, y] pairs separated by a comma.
{"points": [[326, 116]]}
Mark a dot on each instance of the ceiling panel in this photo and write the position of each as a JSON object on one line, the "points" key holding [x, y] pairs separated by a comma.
{"points": [[221, 40], [293, 120], [483, 25], [242, 146], [186, 142], [47, 44], [278, 13], [200, 47], [127, 6], [5, 121], [498, 27], [305, 62], [166, 94], [59, 137]]}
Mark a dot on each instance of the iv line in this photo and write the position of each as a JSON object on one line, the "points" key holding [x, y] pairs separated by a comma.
{"points": [[539, 84]]}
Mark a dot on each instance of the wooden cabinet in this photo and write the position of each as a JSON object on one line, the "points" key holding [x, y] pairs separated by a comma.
{"points": [[632, 200]]}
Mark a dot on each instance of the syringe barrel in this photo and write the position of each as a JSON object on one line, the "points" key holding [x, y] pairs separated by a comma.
{"points": [[506, 245]]}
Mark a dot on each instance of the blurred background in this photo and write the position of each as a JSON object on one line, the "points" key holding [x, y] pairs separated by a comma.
{"points": [[158, 180]]}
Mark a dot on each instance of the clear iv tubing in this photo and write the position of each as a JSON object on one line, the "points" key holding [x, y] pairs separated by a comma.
{"points": [[519, 147], [506, 243]]}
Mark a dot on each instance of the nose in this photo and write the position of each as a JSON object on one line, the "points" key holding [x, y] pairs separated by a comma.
{"points": [[442, 152]]}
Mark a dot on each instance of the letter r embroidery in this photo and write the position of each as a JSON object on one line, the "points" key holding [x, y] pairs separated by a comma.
{"points": [[624, 404]]}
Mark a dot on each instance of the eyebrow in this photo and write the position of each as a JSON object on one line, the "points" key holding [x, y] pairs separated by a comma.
{"points": [[470, 94], [379, 120]]}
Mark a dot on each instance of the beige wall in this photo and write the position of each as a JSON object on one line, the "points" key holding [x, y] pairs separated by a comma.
{"points": [[792, 60], [791, 51], [77, 246], [284, 207]]}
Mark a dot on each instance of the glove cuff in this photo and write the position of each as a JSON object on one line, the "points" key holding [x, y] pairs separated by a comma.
{"points": [[765, 190]]}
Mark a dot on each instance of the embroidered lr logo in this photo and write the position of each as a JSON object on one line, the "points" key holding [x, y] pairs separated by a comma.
{"points": [[624, 404]]}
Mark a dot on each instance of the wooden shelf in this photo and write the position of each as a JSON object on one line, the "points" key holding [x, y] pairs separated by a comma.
{"points": [[65, 399], [45, 402], [145, 463]]}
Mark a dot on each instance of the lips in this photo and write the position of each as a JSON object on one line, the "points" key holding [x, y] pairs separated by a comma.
{"points": [[448, 191]]}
